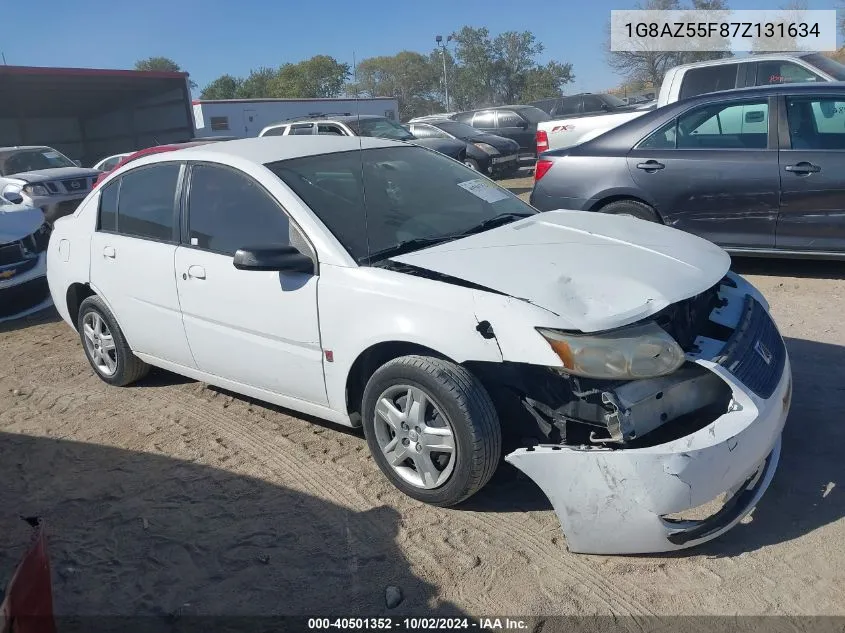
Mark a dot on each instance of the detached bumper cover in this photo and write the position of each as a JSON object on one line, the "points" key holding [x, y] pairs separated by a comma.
{"points": [[618, 501]]}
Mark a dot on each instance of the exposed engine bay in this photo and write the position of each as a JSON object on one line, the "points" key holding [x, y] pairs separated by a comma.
{"points": [[574, 410]]}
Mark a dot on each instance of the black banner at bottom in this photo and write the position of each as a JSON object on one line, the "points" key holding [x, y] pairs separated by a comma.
{"points": [[414, 624]]}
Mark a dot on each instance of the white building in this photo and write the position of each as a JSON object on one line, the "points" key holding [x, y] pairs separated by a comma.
{"points": [[247, 117]]}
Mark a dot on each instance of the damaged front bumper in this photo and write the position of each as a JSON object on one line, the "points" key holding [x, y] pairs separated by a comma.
{"points": [[619, 500]]}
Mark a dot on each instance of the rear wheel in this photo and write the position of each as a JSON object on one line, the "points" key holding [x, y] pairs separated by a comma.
{"points": [[431, 428], [471, 163], [104, 345], [631, 208]]}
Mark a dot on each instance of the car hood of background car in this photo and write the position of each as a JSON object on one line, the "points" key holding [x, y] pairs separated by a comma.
{"points": [[596, 272], [449, 146], [57, 173], [501, 143], [18, 221]]}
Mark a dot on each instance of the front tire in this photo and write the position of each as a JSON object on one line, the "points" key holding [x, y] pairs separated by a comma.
{"points": [[105, 346], [431, 428], [472, 164]]}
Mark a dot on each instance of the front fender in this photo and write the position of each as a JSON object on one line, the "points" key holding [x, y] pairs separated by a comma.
{"points": [[362, 307]]}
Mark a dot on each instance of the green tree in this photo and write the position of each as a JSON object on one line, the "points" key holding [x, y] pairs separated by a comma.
{"points": [[476, 75], [224, 87], [319, 77], [409, 76], [545, 82], [160, 64], [257, 84]]}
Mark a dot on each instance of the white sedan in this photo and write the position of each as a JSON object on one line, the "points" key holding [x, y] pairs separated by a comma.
{"points": [[380, 284]]}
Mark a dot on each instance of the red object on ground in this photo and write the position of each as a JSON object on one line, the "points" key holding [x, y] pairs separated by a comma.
{"points": [[146, 152], [28, 604]]}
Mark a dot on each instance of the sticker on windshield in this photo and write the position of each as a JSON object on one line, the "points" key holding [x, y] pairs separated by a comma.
{"points": [[487, 191]]}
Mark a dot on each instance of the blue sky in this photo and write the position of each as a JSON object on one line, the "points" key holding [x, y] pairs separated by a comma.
{"points": [[209, 38]]}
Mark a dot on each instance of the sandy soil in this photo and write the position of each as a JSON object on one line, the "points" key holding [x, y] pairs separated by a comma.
{"points": [[171, 497]]}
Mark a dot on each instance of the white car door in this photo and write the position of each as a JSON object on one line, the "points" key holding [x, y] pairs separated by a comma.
{"points": [[132, 253], [258, 328]]}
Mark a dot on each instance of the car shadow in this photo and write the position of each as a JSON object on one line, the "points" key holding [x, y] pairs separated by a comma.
{"points": [[801, 268], [134, 533]]}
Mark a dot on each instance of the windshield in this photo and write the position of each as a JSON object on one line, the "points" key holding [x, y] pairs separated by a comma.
{"points": [[461, 130], [826, 65], [382, 128], [411, 194], [534, 115], [23, 160], [613, 101]]}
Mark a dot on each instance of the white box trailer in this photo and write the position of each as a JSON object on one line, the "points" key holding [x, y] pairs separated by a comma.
{"points": [[247, 117]]}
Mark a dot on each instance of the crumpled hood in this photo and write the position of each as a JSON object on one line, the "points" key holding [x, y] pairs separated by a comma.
{"points": [[17, 221], [595, 271], [58, 173]]}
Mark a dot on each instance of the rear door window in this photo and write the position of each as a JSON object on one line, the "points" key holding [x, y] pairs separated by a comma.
{"points": [[329, 129], [708, 79], [302, 128], [485, 119], [147, 200]]}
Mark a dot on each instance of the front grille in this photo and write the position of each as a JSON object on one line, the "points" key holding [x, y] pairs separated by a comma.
{"points": [[11, 253], [23, 296], [755, 354], [74, 185]]}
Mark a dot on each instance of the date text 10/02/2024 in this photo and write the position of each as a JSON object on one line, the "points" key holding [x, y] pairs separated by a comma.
{"points": [[417, 624], [723, 29]]}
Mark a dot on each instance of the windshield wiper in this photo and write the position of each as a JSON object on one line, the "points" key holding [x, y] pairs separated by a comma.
{"points": [[497, 220], [407, 246]]}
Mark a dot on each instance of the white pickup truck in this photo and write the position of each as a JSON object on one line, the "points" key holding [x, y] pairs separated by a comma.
{"points": [[690, 80]]}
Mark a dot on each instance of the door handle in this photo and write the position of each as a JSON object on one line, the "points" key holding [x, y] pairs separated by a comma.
{"points": [[109, 252], [803, 168], [197, 272], [650, 165]]}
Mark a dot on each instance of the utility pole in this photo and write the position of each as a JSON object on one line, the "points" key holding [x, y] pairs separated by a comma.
{"points": [[439, 40]]}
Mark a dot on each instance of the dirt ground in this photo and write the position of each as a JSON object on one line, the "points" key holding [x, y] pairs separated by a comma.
{"points": [[170, 497]]}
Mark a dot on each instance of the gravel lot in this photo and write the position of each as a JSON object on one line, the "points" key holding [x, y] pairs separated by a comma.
{"points": [[180, 498]]}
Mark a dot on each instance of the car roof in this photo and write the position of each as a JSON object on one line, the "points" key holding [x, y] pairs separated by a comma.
{"points": [[792, 88], [741, 60], [17, 148], [269, 149]]}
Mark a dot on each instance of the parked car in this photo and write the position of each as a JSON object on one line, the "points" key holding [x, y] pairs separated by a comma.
{"points": [[432, 117], [518, 123], [23, 260], [364, 125], [690, 80], [487, 153], [41, 177], [583, 103], [153, 150], [377, 283], [110, 162], [758, 171]]}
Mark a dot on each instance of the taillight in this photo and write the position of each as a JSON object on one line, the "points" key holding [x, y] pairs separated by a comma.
{"points": [[542, 141], [541, 168]]}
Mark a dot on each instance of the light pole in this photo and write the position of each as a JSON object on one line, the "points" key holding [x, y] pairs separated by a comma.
{"points": [[439, 40]]}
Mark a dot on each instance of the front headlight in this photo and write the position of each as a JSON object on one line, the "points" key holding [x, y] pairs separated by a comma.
{"points": [[631, 353], [36, 190], [489, 149]]}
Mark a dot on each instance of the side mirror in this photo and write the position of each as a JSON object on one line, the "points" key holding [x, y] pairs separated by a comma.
{"points": [[277, 258], [14, 198], [756, 116]]}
